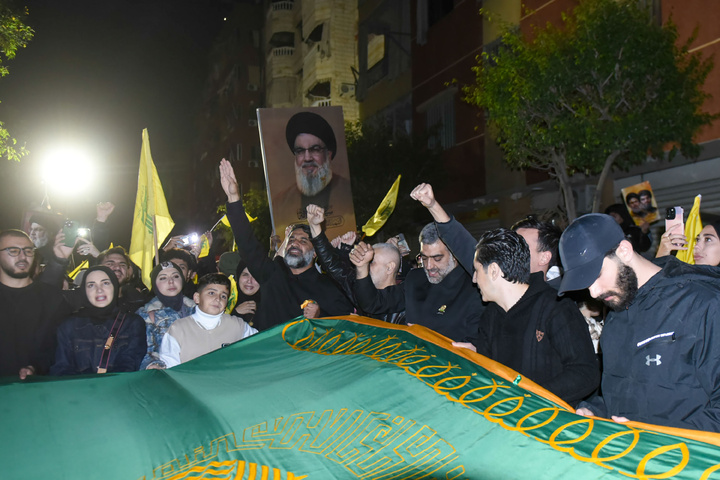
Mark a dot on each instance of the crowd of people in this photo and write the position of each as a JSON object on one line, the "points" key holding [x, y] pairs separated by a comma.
{"points": [[579, 312]]}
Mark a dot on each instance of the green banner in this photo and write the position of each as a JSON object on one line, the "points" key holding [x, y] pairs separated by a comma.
{"points": [[327, 399]]}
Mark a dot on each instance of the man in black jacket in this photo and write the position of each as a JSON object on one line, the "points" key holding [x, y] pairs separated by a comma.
{"points": [[525, 326], [438, 296], [661, 344], [291, 285]]}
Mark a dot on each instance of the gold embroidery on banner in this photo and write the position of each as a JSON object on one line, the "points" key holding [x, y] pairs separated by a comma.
{"points": [[584, 439]]}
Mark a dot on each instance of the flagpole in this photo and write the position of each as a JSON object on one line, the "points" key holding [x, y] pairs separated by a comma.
{"points": [[155, 243]]}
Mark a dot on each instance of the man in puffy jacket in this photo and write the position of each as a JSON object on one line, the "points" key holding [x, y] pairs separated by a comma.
{"points": [[661, 344]]}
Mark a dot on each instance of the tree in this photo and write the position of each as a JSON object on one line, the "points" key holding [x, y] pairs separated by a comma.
{"points": [[376, 159], [606, 90], [14, 34]]}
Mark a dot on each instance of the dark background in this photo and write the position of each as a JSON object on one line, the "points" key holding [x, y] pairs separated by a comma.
{"points": [[96, 74]]}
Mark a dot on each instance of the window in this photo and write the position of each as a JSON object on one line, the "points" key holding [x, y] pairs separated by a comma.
{"points": [[440, 119]]}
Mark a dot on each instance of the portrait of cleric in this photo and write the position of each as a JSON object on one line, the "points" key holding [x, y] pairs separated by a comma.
{"points": [[306, 163]]}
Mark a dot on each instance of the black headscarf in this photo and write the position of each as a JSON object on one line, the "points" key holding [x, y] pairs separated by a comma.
{"points": [[175, 302], [99, 314], [242, 297]]}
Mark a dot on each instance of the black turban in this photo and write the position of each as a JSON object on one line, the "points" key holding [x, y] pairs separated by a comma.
{"points": [[314, 124]]}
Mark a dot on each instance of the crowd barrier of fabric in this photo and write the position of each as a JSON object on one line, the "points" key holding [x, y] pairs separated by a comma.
{"points": [[336, 398]]}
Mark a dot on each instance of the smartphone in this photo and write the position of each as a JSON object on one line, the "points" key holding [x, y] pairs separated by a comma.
{"points": [[674, 216], [70, 229], [403, 245], [190, 239]]}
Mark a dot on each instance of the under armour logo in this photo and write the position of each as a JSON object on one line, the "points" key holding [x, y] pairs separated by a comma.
{"points": [[656, 360]]}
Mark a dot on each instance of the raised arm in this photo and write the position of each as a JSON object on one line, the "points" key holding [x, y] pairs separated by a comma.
{"points": [[423, 193], [460, 242], [250, 249]]}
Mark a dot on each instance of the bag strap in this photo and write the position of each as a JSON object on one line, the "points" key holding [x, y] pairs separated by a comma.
{"points": [[105, 357]]}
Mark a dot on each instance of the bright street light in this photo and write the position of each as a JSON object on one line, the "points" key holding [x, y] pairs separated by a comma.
{"points": [[67, 170]]}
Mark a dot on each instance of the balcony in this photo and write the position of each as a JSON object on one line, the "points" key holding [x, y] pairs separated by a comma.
{"points": [[280, 62]]}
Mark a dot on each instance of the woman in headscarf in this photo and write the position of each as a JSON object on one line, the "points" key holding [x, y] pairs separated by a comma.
{"points": [[99, 338], [248, 294], [168, 305]]}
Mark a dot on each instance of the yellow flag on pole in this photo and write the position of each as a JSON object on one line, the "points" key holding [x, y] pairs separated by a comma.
{"points": [[151, 221], [693, 225], [384, 210]]}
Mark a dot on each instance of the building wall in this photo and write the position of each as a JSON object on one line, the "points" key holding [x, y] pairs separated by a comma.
{"points": [[441, 66]]}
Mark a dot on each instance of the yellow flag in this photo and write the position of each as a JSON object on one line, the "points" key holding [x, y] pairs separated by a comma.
{"points": [[384, 210], [204, 247], [226, 222], [693, 225], [232, 299], [82, 266], [151, 221]]}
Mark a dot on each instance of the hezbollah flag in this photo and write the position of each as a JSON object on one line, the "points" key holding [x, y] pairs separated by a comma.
{"points": [[384, 210], [693, 226], [328, 399], [151, 221]]}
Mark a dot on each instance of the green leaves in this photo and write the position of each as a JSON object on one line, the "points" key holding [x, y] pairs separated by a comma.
{"points": [[14, 34], [610, 83]]}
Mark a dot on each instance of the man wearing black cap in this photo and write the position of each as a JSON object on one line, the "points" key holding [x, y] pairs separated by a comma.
{"points": [[661, 344], [312, 142]]}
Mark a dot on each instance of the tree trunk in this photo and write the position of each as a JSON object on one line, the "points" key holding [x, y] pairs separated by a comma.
{"points": [[563, 180], [609, 161]]}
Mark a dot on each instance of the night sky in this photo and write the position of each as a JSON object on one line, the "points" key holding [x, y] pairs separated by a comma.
{"points": [[96, 74]]}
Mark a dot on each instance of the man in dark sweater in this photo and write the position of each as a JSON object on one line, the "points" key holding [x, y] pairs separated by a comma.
{"points": [[29, 311], [291, 285], [438, 296], [525, 327]]}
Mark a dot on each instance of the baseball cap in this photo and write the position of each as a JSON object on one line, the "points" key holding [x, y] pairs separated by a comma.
{"points": [[583, 246]]}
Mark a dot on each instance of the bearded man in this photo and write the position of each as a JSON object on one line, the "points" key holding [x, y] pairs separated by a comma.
{"points": [[29, 311], [438, 296], [661, 342], [290, 284], [313, 144]]}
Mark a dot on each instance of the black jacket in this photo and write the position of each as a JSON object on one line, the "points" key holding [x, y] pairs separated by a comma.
{"points": [[544, 338], [282, 291], [451, 307], [661, 356]]}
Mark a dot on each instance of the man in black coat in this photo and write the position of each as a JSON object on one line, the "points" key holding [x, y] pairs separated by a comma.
{"points": [[290, 285], [438, 296]]}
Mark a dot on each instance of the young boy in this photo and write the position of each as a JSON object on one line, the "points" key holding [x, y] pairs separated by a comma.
{"points": [[208, 328]]}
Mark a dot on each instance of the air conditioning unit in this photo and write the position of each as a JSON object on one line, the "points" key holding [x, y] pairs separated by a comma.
{"points": [[252, 87], [252, 122], [253, 164], [347, 88]]}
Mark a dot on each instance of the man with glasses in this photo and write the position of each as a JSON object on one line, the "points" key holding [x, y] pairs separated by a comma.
{"points": [[29, 311], [438, 296], [524, 325], [313, 144]]}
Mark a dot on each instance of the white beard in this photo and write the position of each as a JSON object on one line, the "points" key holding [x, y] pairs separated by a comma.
{"points": [[41, 241], [311, 185]]}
